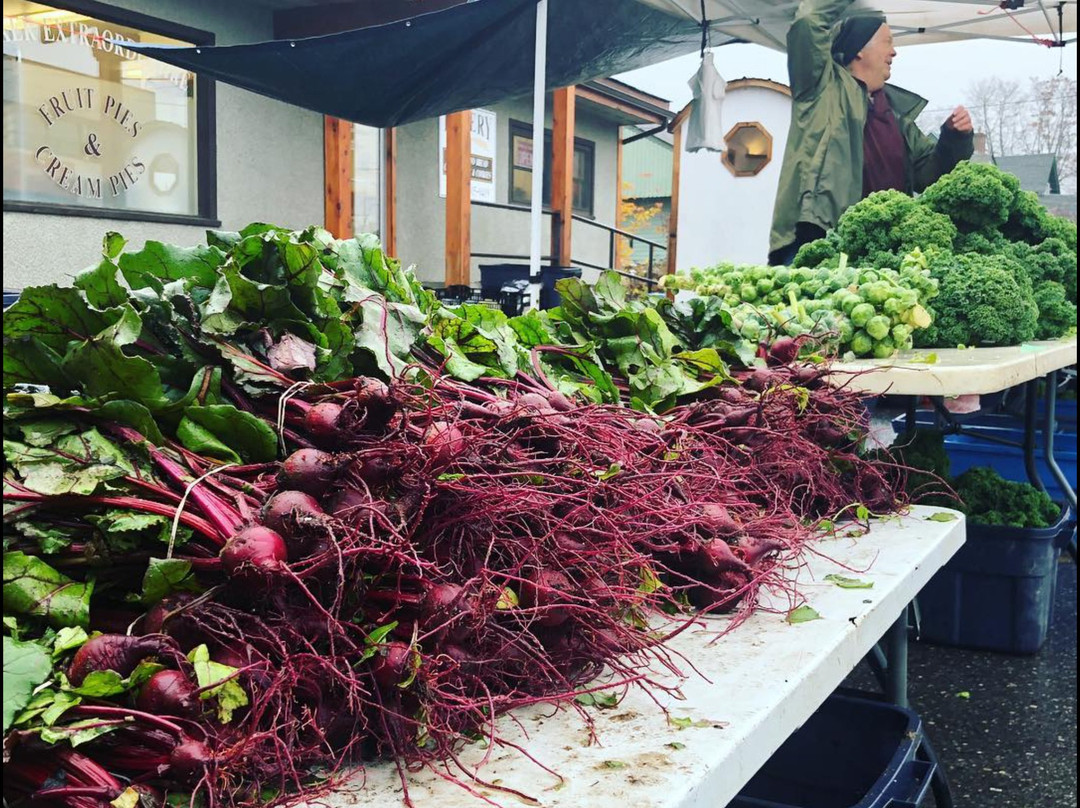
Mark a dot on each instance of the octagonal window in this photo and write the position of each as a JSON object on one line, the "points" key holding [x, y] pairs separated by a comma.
{"points": [[749, 149]]}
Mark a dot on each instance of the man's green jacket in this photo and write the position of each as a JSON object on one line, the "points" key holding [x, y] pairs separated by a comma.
{"points": [[822, 174]]}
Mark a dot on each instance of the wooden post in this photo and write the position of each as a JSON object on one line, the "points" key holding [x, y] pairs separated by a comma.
{"points": [[389, 239], [338, 173], [618, 194], [458, 197], [562, 174], [673, 221]]}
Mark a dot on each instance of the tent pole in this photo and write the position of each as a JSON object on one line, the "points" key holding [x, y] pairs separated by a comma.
{"points": [[539, 92]]}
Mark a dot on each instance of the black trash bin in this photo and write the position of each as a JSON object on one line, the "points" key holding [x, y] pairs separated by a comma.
{"points": [[549, 296], [493, 277], [854, 752]]}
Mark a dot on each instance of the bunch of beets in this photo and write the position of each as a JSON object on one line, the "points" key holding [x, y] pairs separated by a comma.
{"points": [[437, 554]]}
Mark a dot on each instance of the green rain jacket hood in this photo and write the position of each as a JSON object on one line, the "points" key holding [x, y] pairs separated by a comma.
{"points": [[822, 174]]}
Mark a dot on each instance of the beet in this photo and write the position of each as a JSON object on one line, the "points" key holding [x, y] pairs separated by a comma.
{"points": [[754, 549], [322, 421], [444, 441], [189, 760], [308, 470], [169, 692], [717, 556], [285, 506], [255, 549], [390, 666], [783, 351], [119, 652], [543, 591]]}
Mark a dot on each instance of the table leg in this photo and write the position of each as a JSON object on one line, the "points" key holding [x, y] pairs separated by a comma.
{"points": [[1030, 426], [896, 670], [1048, 440]]}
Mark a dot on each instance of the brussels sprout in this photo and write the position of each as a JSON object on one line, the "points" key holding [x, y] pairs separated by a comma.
{"points": [[876, 293], [846, 330], [884, 348], [765, 285], [901, 333], [862, 314], [748, 292], [861, 344], [878, 327], [868, 276], [782, 275]]}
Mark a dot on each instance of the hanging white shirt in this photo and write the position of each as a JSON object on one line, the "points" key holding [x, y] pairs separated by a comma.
{"points": [[704, 131]]}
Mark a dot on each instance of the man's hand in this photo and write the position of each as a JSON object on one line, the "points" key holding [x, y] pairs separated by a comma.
{"points": [[960, 121]]}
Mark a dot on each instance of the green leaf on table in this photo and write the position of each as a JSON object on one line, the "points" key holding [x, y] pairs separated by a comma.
{"points": [[942, 516], [613, 764], [164, 576], [802, 614], [26, 665], [33, 588], [862, 513], [675, 745], [844, 582], [602, 701], [963, 694]]}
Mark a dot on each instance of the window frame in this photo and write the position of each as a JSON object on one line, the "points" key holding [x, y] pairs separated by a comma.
{"points": [[588, 147], [767, 158], [205, 125]]}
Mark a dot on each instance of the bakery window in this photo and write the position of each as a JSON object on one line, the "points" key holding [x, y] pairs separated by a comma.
{"points": [[93, 128]]}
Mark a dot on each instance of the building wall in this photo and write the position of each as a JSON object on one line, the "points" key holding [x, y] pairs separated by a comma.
{"points": [[422, 212], [723, 217], [269, 164]]}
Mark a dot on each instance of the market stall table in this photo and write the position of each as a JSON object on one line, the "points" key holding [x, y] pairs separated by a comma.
{"points": [[753, 688]]}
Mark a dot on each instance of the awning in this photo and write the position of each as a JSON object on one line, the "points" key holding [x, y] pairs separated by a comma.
{"points": [[464, 57], [914, 22], [479, 53]]}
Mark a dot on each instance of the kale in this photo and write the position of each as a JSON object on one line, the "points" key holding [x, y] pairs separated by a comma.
{"points": [[1057, 315], [982, 300], [989, 499], [976, 196], [881, 229]]}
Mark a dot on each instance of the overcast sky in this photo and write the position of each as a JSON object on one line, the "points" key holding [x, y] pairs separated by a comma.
{"points": [[940, 73]]}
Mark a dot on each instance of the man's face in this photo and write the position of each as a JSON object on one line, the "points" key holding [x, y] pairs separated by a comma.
{"points": [[873, 64]]}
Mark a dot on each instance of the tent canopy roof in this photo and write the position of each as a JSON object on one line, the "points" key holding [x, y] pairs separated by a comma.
{"points": [[479, 52]]}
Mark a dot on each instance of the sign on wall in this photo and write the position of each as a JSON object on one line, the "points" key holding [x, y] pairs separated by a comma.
{"points": [[483, 155]]}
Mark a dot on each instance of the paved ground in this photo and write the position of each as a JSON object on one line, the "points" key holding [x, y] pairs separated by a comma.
{"points": [[1012, 742]]}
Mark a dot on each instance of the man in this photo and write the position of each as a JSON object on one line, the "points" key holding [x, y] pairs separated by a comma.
{"points": [[851, 133]]}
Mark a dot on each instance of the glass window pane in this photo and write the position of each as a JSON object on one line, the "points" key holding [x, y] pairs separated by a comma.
{"points": [[367, 179], [88, 122]]}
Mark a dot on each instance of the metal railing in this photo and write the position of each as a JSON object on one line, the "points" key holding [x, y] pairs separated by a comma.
{"points": [[650, 278]]}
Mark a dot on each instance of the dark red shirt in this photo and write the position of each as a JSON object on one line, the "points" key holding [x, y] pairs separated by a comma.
{"points": [[884, 149]]}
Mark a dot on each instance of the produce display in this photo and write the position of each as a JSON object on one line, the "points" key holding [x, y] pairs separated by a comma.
{"points": [[858, 310], [980, 492], [1006, 267], [272, 511]]}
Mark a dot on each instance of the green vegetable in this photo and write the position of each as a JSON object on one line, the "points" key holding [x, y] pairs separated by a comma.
{"points": [[878, 327]]}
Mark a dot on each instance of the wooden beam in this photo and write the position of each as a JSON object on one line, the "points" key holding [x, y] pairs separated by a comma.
{"points": [[338, 173], [673, 220], [618, 193], [562, 174], [458, 197], [390, 185]]}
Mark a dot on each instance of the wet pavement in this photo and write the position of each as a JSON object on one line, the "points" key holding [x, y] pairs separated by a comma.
{"points": [[1003, 726]]}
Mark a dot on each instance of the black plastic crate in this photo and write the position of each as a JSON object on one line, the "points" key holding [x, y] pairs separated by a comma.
{"points": [[854, 752], [997, 592]]}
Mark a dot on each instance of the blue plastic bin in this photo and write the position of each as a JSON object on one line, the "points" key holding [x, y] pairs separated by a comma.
{"points": [[997, 592], [854, 752], [966, 450], [9, 298]]}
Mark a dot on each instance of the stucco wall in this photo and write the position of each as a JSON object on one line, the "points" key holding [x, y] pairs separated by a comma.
{"points": [[269, 164], [421, 211], [723, 217]]}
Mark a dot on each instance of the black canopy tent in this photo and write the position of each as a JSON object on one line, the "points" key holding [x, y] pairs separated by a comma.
{"points": [[459, 58]]}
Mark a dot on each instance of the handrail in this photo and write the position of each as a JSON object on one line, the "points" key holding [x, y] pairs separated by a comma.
{"points": [[504, 206], [625, 233]]}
